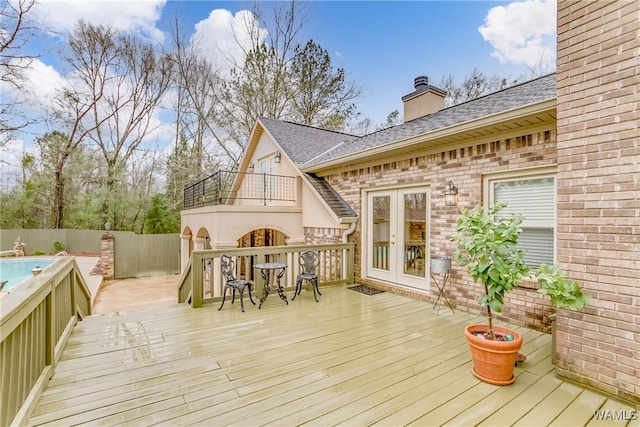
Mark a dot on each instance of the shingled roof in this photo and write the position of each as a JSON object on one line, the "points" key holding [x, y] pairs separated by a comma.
{"points": [[302, 143], [308, 146], [540, 89], [333, 199]]}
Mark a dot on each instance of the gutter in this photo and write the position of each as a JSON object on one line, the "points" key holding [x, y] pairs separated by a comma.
{"points": [[461, 127]]}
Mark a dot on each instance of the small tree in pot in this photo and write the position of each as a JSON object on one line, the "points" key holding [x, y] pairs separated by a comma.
{"points": [[486, 246]]}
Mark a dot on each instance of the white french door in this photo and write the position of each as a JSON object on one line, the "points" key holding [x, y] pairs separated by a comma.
{"points": [[397, 236]]}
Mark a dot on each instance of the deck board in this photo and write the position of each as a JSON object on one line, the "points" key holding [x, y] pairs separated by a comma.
{"points": [[351, 359]]}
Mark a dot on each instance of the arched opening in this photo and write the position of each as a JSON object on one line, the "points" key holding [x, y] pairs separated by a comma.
{"points": [[186, 247], [262, 237], [203, 239], [258, 238]]}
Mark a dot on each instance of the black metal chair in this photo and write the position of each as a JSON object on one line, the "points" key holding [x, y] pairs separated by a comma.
{"points": [[309, 261], [228, 272]]}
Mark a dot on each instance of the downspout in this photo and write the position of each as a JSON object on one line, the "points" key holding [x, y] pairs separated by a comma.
{"points": [[345, 239], [349, 231]]}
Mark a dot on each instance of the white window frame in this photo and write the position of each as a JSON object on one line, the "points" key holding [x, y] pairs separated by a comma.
{"points": [[489, 180]]}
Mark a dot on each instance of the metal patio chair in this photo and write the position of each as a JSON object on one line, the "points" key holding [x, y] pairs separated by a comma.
{"points": [[309, 261], [228, 272]]}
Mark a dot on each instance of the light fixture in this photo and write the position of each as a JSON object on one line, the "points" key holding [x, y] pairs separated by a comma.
{"points": [[107, 226], [451, 195], [251, 167], [278, 157]]}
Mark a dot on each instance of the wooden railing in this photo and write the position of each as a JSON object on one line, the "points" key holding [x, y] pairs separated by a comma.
{"points": [[36, 319], [202, 282]]}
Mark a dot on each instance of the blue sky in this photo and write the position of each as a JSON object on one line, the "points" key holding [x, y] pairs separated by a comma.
{"points": [[382, 45]]}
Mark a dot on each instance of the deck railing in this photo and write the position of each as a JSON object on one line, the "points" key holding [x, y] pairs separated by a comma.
{"points": [[202, 281], [263, 188], [36, 319]]}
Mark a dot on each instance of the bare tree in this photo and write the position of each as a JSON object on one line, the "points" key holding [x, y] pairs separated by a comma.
{"points": [[393, 119], [89, 62], [275, 77], [283, 79], [116, 83], [322, 94], [473, 86], [15, 30], [141, 177], [196, 85], [215, 112], [91, 55]]}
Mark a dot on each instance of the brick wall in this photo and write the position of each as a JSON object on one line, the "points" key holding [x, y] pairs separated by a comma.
{"points": [[465, 166], [599, 191], [318, 235], [107, 257]]}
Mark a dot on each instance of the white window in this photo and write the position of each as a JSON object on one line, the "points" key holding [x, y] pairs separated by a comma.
{"points": [[532, 194]]}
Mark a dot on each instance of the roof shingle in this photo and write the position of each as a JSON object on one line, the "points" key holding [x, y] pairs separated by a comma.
{"points": [[519, 95], [302, 143]]}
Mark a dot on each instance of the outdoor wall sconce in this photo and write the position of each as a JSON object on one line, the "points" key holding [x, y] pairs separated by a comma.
{"points": [[278, 157], [251, 167], [451, 195]]}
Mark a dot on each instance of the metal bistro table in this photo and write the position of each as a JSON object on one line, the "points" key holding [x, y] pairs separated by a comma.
{"points": [[265, 271]]}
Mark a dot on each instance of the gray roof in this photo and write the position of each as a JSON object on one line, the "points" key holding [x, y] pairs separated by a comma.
{"points": [[331, 196], [519, 95], [310, 146], [302, 143]]}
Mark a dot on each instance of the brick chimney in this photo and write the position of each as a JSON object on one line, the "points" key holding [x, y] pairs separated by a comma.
{"points": [[424, 100]]}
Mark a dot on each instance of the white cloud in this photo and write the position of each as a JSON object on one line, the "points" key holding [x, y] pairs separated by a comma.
{"points": [[139, 16], [10, 163], [225, 38], [523, 32], [42, 83]]}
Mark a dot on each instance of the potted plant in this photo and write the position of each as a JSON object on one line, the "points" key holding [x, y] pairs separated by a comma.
{"points": [[486, 246], [563, 293]]}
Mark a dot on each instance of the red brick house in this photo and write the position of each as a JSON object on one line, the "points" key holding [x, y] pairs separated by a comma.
{"points": [[563, 149]]}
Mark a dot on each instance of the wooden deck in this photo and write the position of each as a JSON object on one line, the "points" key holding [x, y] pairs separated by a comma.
{"points": [[351, 359]]}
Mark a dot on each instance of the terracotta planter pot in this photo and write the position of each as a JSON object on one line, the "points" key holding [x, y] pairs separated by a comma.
{"points": [[493, 361]]}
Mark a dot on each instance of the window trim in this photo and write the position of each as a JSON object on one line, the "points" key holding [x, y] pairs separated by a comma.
{"points": [[488, 181]]}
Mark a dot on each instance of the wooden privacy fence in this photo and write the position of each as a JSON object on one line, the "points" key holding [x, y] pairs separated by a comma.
{"points": [[201, 282], [135, 254], [36, 319], [43, 239], [146, 254]]}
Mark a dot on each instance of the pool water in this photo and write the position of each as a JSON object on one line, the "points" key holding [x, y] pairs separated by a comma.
{"points": [[17, 270]]}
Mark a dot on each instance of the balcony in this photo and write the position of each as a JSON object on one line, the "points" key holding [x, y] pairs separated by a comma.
{"points": [[243, 188]]}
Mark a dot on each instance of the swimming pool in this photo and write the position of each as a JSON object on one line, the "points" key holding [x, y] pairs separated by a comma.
{"points": [[17, 270]]}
